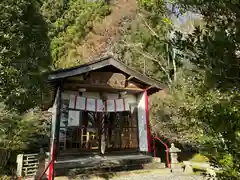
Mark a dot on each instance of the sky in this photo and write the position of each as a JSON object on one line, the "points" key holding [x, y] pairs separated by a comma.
{"points": [[178, 18]]}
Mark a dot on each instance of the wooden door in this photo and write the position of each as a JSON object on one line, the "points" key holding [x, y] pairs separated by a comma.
{"points": [[121, 131], [89, 131]]}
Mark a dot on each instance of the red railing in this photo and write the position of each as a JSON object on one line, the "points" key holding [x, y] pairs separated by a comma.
{"points": [[50, 165], [167, 149], [43, 173]]}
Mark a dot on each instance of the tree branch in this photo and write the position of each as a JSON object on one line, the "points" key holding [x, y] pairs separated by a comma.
{"points": [[150, 57], [148, 26], [174, 69]]}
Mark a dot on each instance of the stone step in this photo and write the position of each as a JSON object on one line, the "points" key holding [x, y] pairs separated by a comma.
{"points": [[82, 165], [154, 165], [99, 161], [135, 174]]}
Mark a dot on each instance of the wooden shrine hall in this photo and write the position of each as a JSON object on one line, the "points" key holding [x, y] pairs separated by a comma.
{"points": [[100, 109]]}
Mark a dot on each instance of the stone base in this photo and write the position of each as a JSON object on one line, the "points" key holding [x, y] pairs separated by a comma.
{"points": [[156, 159], [154, 166], [187, 167], [176, 167], [43, 178]]}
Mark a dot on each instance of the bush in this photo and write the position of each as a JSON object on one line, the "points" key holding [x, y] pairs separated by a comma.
{"points": [[18, 132], [199, 158]]}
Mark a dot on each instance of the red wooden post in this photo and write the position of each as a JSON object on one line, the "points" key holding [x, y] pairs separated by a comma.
{"points": [[154, 148], [51, 166]]}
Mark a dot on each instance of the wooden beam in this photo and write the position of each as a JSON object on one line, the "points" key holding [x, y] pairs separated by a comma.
{"points": [[89, 87], [101, 63], [142, 78], [130, 77], [78, 70]]}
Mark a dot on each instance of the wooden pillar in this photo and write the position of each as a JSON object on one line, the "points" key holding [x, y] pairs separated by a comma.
{"points": [[147, 121], [143, 123], [58, 119], [54, 145]]}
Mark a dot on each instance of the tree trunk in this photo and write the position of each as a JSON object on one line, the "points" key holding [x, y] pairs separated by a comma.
{"points": [[4, 157]]}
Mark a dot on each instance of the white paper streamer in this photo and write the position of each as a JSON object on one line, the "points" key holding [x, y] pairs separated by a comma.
{"points": [[73, 118], [79, 103]]}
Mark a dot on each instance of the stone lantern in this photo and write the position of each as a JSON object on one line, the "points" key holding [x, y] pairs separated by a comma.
{"points": [[174, 151]]}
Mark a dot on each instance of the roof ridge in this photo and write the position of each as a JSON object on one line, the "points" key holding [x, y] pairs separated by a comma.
{"points": [[101, 62]]}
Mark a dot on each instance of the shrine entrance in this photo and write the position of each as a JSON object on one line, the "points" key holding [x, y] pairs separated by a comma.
{"points": [[108, 132], [98, 132]]}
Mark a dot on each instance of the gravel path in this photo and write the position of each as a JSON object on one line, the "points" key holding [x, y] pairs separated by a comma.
{"points": [[152, 176], [140, 176]]}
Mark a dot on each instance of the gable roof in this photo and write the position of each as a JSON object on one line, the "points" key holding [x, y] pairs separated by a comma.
{"points": [[99, 63]]}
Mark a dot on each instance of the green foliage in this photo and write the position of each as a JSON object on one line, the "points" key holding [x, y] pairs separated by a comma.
{"points": [[145, 46], [18, 132], [199, 158], [221, 112], [172, 111], [5, 178], [215, 46], [153, 8], [70, 22], [214, 49], [24, 55], [25, 59], [207, 118]]}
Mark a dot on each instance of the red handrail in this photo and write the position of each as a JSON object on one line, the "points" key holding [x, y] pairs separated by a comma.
{"points": [[40, 178], [51, 171], [167, 149]]}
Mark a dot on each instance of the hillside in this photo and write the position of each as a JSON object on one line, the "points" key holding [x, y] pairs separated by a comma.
{"points": [[82, 29], [107, 31]]}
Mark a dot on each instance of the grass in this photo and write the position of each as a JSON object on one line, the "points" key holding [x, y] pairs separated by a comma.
{"points": [[5, 177], [199, 158]]}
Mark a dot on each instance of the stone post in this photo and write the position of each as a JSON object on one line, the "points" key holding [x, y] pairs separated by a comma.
{"points": [[19, 165], [41, 165], [175, 165]]}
